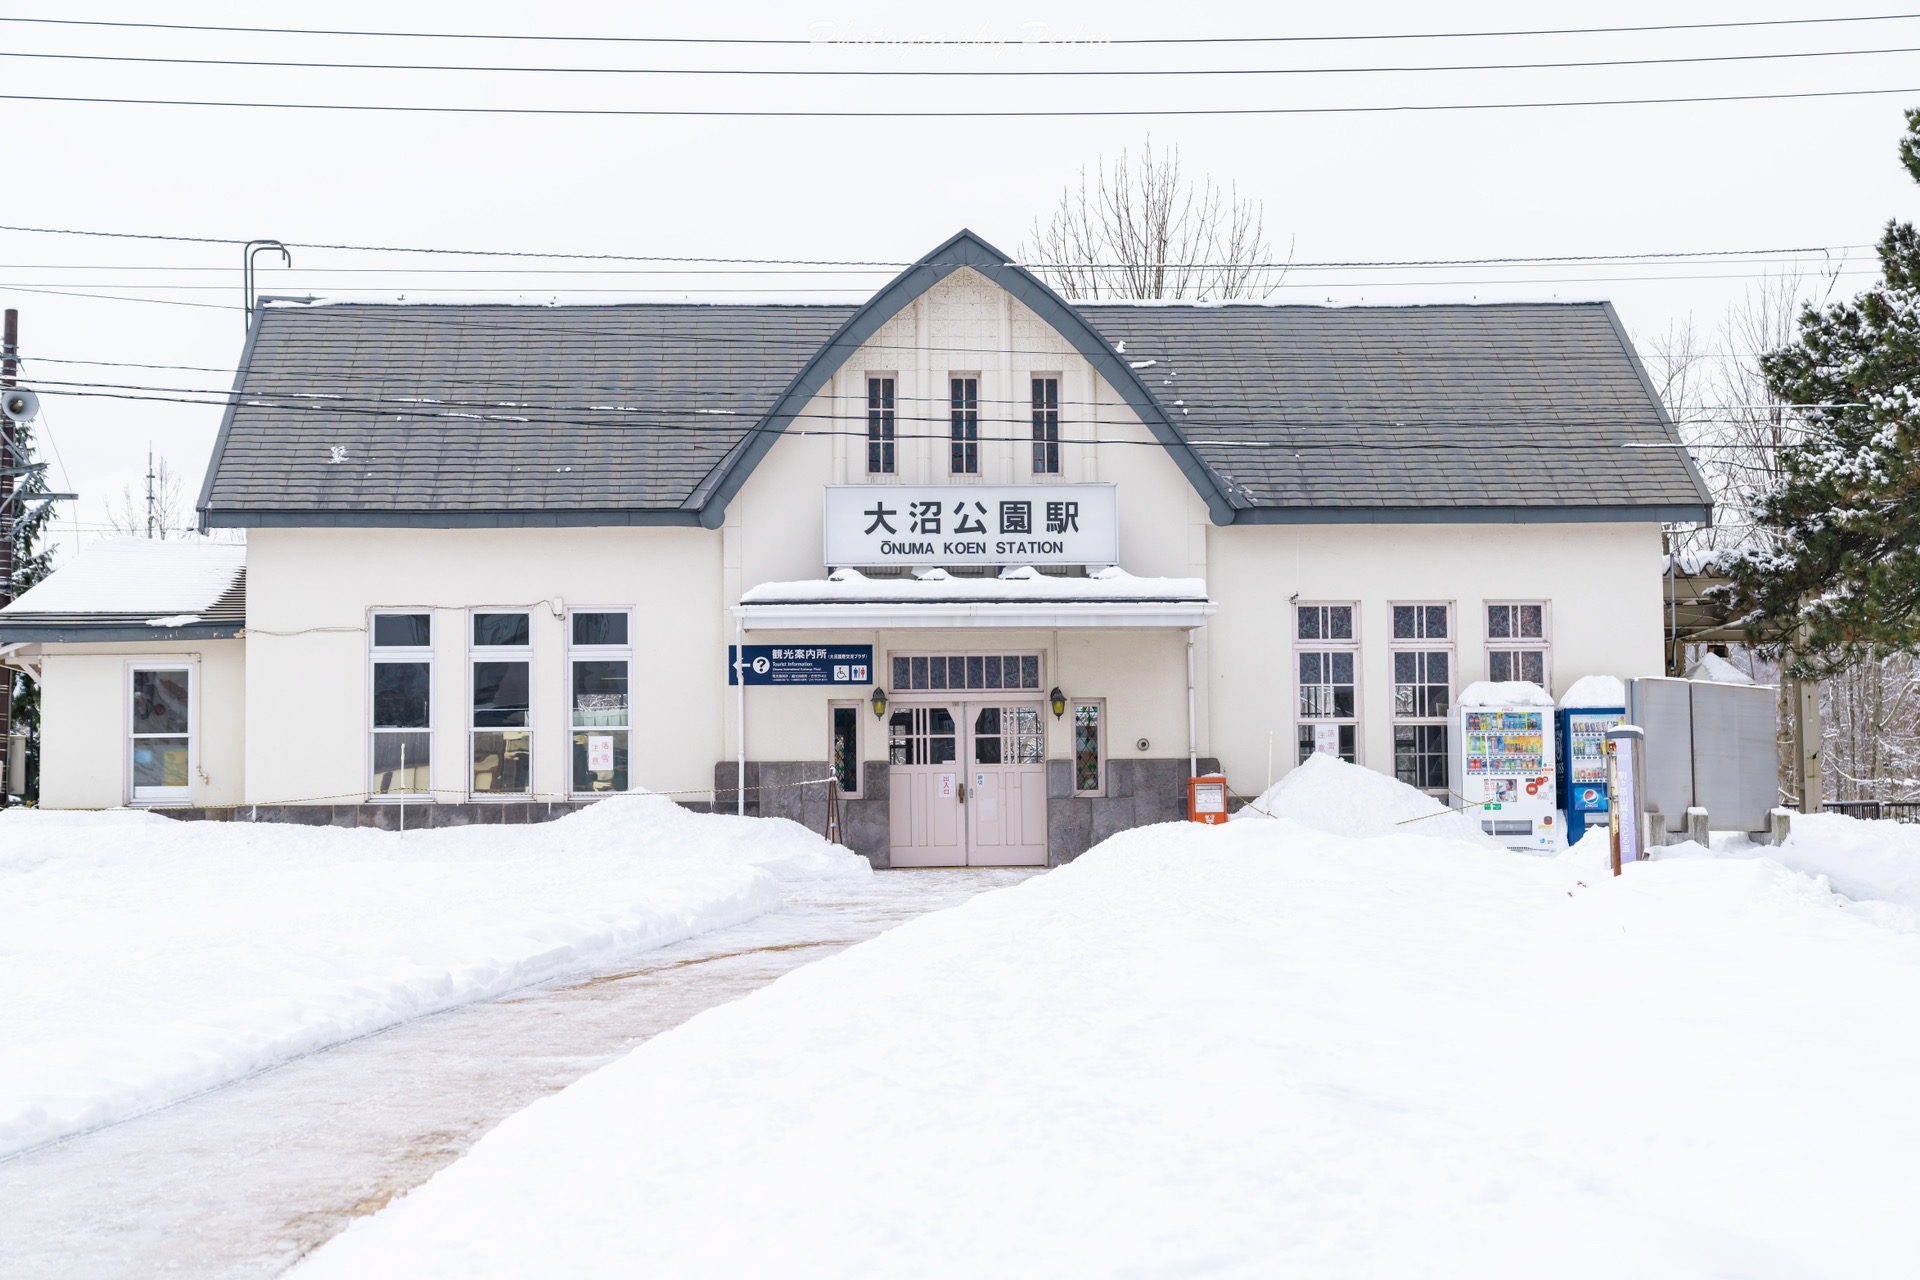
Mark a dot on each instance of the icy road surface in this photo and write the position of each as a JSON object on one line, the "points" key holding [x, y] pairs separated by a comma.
{"points": [[243, 1180]]}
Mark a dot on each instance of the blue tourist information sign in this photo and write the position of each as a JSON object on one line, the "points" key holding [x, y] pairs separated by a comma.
{"points": [[804, 664]]}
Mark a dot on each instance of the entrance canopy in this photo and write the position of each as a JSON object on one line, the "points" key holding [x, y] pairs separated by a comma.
{"points": [[849, 600]]}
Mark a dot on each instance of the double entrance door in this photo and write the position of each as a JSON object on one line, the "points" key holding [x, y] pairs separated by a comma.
{"points": [[967, 784]]}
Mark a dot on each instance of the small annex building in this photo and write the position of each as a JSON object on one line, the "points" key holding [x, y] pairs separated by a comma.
{"points": [[1010, 568]]}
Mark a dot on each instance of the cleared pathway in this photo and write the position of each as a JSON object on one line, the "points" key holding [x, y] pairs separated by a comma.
{"points": [[243, 1180]]}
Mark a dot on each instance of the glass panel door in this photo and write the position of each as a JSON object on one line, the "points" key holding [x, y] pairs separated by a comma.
{"points": [[161, 733]]}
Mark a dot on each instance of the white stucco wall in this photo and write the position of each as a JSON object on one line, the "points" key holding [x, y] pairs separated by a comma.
{"points": [[308, 596], [1602, 582], [85, 710]]}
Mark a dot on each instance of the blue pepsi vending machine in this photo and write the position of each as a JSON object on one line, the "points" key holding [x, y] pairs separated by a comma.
{"points": [[1583, 765]]}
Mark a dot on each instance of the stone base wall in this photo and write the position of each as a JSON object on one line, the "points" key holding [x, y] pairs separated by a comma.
{"points": [[387, 816], [792, 789], [1139, 793]]}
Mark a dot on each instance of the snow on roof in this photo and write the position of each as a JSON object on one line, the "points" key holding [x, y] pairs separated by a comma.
{"points": [[164, 577], [1595, 691], [1717, 670], [849, 586], [1505, 693]]}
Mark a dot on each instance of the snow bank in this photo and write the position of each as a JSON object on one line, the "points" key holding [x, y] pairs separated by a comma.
{"points": [[1718, 670], [1595, 691], [1328, 794], [143, 959], [1505, 693], [1250, 1050]]}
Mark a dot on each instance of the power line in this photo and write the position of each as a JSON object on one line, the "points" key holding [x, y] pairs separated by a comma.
{"points": [[869, 262], [751, 113], [950, 73], [983, 43]]}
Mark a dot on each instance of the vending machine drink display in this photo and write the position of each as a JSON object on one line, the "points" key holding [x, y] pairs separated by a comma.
{"points": [[1583, 765], [1504, 765]]}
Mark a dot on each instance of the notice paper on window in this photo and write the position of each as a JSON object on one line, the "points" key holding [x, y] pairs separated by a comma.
{"points": [[599, 752]]}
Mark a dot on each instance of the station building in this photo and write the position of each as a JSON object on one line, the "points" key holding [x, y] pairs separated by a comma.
{"points": [[1009, 568]]}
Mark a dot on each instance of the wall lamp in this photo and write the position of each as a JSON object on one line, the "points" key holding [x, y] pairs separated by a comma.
{"points": [[1059, 701], [879, 702]]}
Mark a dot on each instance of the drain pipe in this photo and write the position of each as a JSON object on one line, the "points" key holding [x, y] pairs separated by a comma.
{"points": [[740, 715], [1193, 739]]}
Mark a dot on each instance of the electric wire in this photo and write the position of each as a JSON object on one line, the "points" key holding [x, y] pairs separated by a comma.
{"points": [[970, 72], [968, 42], [1079, 113]]}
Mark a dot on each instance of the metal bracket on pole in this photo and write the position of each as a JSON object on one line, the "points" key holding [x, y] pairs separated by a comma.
{"points": [[246, 268]]}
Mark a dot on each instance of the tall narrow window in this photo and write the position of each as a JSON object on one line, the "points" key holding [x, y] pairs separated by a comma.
{"points": [[1326, 654], [843, 745], [402, 710], [161, 731], [1046, 426], [502, 734], [1422, 694], [601, 706], [1089, 749], [1517, 642], [880, 427], [966, 427]]}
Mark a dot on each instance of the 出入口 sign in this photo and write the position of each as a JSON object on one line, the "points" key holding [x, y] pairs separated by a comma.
{"points": [[911, 525], [803, 664]]}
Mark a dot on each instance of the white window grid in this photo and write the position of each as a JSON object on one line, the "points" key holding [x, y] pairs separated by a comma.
{"points": [[1046, 424], [163, 795], [1420, 631], [377, 654], [963, 448], [477, 654], [882, 410], [1326, 646], [578, 652], [1505, 654]]}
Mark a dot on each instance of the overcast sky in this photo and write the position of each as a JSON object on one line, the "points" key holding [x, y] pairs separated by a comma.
{"points": [[1336, 187]]}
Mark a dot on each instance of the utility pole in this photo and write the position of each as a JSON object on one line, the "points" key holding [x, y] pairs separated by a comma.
{"points": [[10, 462], [149, 491]]}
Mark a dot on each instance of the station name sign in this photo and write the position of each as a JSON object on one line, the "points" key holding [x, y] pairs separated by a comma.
{"points": [[911, 525]]}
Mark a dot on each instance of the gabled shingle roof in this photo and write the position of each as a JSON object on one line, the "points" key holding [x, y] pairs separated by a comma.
{"points": [[655, 413]]}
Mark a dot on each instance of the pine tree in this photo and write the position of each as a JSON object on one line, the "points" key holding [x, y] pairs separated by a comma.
{"points": [[1838, 579], [32, 561]]}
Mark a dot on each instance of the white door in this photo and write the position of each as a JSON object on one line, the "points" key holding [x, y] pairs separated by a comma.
{"points": [[1006, 797], [925, 783]]}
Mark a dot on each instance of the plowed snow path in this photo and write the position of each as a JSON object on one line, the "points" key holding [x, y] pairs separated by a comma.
{"points": [[243, 1180]]}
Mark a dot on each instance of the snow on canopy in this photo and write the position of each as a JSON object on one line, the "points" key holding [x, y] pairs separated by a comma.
{"points": [[1505, 693], [139, 575], [1595, 691], [1328, 794]]}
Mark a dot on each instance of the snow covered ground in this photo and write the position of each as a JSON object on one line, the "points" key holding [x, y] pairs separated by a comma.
{"points": [[143, 960], [1259, 1049]]}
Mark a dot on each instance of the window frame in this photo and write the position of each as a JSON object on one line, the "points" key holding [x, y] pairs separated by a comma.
{"points": [[1046, 425], [477, 654], [956, 423], [883, 425], [1448, 645], [596, 653], [137, 795], [905, 688], [1520, 644], [1099, 744], [1323, 645], [399, 653], [859, 744]]}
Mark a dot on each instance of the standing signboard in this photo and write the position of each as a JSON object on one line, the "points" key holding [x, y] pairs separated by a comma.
{"points": [[1624, 763], [907, 525]]}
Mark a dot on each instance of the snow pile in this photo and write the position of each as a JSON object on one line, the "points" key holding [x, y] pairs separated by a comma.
{"points": [[139, 575], [1595, 691], [1249, 1050], [1505, 693], [1327, 794], [143, 959], [1865, 861], [1712, 667]]}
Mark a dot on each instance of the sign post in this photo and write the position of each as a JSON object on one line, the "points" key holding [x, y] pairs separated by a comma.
{"points": [[1624, 821]]}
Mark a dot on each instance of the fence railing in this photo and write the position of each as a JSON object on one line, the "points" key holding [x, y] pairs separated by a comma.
{"points": [[1892, 810]]}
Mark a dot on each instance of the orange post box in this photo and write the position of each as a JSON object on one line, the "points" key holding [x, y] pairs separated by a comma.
{"points": [[1207, 798]]}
